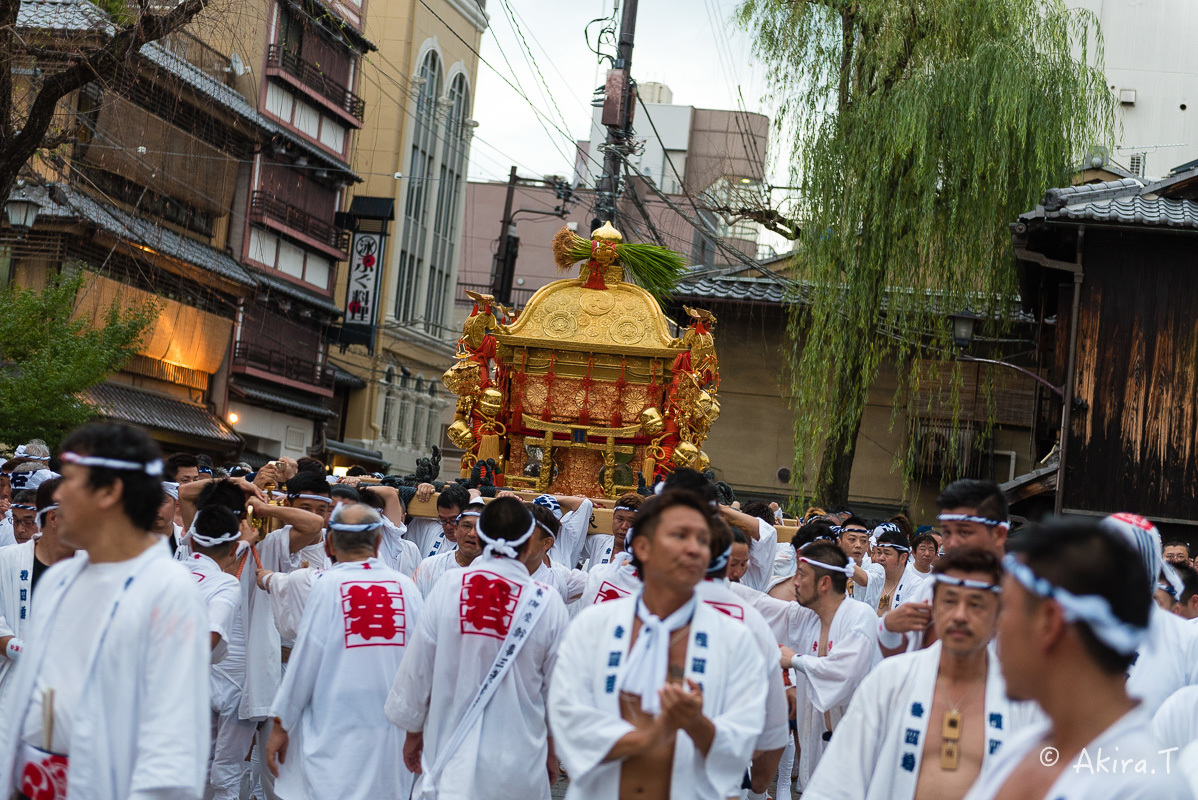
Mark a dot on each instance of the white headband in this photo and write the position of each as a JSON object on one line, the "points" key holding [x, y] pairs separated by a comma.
{"points": [[171, 488], [898, 547], [966, 583], [504, 547], [989, 523], [152, 468], [1092, 609], [21, 453], [41, 515], [350, 527], [211, 541], [847, 569]]}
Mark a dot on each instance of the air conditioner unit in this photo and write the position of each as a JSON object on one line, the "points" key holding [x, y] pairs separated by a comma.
{"points": [[1127, 97]]}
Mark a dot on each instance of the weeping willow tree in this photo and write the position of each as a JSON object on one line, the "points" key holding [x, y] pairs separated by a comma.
{"points": [[920, 129]]}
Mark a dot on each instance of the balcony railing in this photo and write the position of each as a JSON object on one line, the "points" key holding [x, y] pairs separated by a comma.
{"points": [[519, 296], [282, 365], [264, 205], [310, 75]]}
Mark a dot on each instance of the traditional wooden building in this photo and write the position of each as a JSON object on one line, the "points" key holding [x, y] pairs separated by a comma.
{"points": [[1112, 263]]}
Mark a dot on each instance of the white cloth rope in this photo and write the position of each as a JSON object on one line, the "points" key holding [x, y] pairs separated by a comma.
{"points": [[152, 468], [644, 672], [503, 547]]}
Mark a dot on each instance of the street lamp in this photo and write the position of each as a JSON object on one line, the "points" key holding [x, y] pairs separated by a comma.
{"points": [[21, 210], [963, 324]]}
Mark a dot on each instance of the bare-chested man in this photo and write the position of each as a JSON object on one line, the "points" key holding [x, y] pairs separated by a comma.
{"points": [[659, 695], [1073, 615], [923, 724]]}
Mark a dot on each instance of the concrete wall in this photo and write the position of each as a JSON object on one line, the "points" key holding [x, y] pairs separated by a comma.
{"points": [[1149, 49]]}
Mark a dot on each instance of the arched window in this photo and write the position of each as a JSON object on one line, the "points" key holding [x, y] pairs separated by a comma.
{"points": [[421, 179], [452, 176]]}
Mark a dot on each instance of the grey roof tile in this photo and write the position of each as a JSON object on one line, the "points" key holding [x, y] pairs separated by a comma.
{"points": [[149, 410], [263, 396], [1122, 202], [66, 203]]}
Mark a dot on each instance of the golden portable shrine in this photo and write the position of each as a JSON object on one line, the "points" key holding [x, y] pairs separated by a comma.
{"points": [[585, 386]]}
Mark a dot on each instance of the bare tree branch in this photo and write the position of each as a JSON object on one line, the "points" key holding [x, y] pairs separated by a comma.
{"points": [[768, 218], [115, 56]]}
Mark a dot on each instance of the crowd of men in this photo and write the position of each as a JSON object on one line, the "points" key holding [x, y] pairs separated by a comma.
{"points": [[173, 631]]}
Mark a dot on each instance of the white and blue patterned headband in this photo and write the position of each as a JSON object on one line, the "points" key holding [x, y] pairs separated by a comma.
{"points": [[847, 569], [719, 562], [152, 468], [211, 541], [989, 523], [1117, 634], [966, 583], [549, 502]]}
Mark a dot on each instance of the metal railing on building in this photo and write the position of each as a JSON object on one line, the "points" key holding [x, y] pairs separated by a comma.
{"points": [[264, 205], [283, 365], [310, 75]]}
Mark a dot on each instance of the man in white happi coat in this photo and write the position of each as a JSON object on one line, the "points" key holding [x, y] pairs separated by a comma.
{"points": [[1168, 657], [21, 568], [213, 536], [924, 725], [602, 548], [972, 513], [573, 515], [1073, 616], [570, 583], [396, 551], [468, 548], [865, 584], [435, 536], [471, 690], [660, 694], [110, 700], [830, 641], [891, 551], [331, 738], [714, 591]]}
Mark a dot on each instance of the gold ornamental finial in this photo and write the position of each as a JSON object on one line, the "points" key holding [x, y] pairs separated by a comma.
{"points": [[607, 233]]}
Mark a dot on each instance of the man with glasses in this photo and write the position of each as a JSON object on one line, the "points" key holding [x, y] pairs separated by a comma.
{"points": [[438, 535], [468, 549]]}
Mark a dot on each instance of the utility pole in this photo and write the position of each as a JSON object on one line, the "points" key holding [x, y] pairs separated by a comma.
{"points": [[618, 106], [504, 266]]}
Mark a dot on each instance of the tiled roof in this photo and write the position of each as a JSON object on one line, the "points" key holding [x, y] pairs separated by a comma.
{"points": [[289, 289], [744, 290], [149, 410], [353, 451], [61, 15], [69, 204], [1122, 202], [265, 397], [343, 378]]}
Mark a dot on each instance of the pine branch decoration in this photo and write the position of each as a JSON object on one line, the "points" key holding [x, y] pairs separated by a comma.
{"points": [[654, 268]]}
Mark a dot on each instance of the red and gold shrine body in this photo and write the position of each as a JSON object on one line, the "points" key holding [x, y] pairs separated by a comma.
{"points": [[583, 388]]}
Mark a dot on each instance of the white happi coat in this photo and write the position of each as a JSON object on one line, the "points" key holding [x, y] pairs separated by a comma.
{"points": [[1168, 660], [432, 568], [876, 751], [7, 536], [397, 552], [466, 618], [611, 581], [777, 718], [142, 720], [1175, 723], [572, 538], [222, 599], [288, 595], [761, 557], [911, 578], [1106, 769], [584, 702], [829, 681], [871, 593], [352, 640], [16, 588], [428, 535], [598, 549], [570, 583]]}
